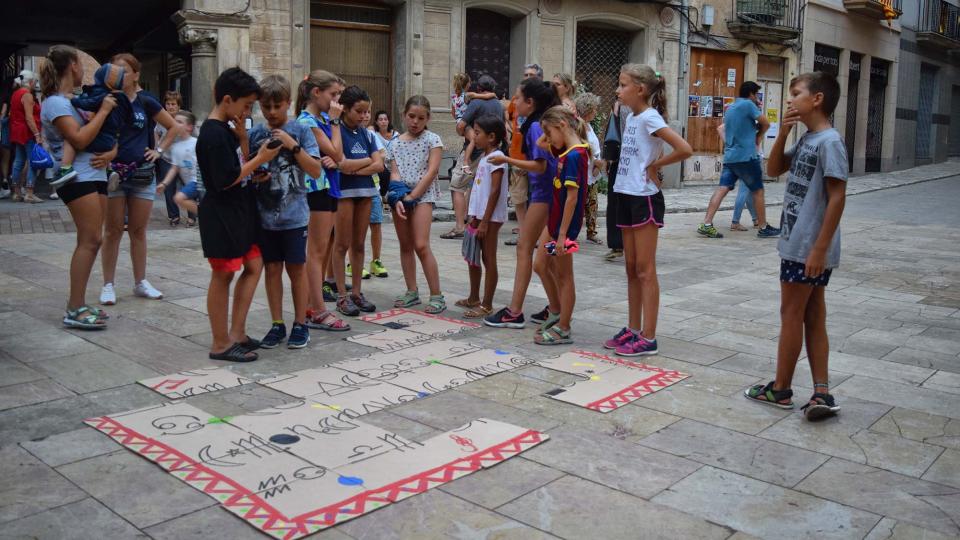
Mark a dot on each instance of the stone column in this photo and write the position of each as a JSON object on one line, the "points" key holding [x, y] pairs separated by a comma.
{"points": [[203, 72]]}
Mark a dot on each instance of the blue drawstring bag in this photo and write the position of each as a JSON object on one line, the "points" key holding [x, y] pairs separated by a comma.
{"points": [[40, 159]]}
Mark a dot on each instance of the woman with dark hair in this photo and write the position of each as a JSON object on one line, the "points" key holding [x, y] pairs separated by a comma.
{"points": [[382, 129], [133, 197], [86, 195], [24, 134]]}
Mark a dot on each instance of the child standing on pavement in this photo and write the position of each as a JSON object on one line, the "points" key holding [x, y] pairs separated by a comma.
{"points": [[319, 109], [487, 213], [361, 162], [229, 224], [640, 201], [183, 166], [284, 212], [566, 136], [414, 163], [809, 244]]}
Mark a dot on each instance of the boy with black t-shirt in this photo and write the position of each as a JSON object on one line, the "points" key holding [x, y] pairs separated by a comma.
{"points": [[229, 223]]}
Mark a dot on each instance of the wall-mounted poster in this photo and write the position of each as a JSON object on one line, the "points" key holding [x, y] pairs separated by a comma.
{"points": [[706, 106], [727, 102], [718, 106], [731, 78], [773, 116], [694, 106]]}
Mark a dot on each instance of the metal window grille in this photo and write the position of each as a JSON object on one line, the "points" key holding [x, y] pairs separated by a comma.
{"points": [[601, 52], [928, 81]]}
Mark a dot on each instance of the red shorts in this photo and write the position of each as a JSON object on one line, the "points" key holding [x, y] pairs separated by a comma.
{"points": [[234, 265]]}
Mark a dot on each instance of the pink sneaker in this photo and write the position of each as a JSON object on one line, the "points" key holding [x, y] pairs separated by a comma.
{"points": [[623, 336], [638, 346]]}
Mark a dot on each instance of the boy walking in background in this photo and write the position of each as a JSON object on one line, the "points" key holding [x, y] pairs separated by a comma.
{"points": [[809, 245]]}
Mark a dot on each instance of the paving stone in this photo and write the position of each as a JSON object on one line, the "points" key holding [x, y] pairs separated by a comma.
{"points": [[751, 456], [215, 522], [927, 359], [575, 508], [30, 486], [13, 371], [71, 446], [765, 367], [15, 323], [600, 458], [944, 381], [134, 488], [691, 352], [30, 393], [440, 515], [415, 431], [90, 372], [763, 509], [502, 483], [911, 500], [899, 395], [920, 426], [891, 529], [630, 423], [43, 345], [75, 521], [741, 343], [946, 470], [734, 413], [709, 379]]}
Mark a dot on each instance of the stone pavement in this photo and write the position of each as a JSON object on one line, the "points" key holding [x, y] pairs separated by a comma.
{"points": [[692, 461]]}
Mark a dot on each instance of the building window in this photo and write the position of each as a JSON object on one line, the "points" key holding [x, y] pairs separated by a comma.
{"points": [[601, 52]]}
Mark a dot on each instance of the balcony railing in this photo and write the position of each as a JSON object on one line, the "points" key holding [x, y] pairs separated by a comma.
{"points": [[939, 24], [765, 20], [876, 9]]}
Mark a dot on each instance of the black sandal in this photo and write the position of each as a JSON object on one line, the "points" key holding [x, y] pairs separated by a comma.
{"points": [[767, 395], [819, 407], [235, 353], [174, 221], [250, 344]]}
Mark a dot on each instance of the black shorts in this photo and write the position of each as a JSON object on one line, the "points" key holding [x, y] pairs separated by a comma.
{"points": [[74, 190], [289, 246], [794, 272], [321, 201], [638, 210]]}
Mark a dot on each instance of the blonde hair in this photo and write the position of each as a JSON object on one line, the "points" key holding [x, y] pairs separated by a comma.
{"points": [[567, 80], [586, 103], [317, 78], [651, 80], [558, 113], [460, 83], [55, 66], [275, 89]]}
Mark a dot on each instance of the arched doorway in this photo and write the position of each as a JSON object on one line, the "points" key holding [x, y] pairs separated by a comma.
{"points": [[487, 46]]}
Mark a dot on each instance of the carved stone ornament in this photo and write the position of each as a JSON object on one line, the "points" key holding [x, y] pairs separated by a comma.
{"points": [[195, 36]]}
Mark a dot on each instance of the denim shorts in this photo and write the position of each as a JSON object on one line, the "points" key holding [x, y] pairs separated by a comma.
{"points": [[376, 209], [191, 190], [748, 172], [127, 190]]}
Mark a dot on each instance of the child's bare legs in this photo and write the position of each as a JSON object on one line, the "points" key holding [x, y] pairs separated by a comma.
{"points": [[562, 269], [218, 298], [476, 274], [343, 234], [818, 343], [794, 298], [186, 203], [328, 274], [376, 239], [69, 154], [242, 298], [318, 252], [489, 253], [643, 288], [408, 262], [542, 264], [361, 219], [421, 220], [274, 285], [534, 222], [300, 289]]}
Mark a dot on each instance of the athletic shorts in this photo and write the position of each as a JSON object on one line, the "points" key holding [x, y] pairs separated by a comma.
{"points": [[541, 191], [748, 172], [794, 272], [191, 190], [289, 246], [376, 210], [321, 201], [518, 186], [74, 190], [235, 264], [638, 210]]}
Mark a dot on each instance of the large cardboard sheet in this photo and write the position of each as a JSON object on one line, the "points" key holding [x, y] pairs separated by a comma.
{"points": [[194, 382], [391, 339], [488, 361], [418, 321], [608, 383]]}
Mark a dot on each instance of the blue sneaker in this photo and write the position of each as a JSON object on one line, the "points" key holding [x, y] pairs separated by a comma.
{"points": [[768, 232], [299, 337], [273, 338]]}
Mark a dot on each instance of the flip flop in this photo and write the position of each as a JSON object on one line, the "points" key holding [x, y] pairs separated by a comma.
{"points": [[235, 353], [465, 303], [250, 344], [452, 235], [478, 312]]}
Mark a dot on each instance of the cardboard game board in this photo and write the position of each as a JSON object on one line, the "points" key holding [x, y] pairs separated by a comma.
{"points": [[607, 383], [391, 339], [194, 382], [418, 321]]}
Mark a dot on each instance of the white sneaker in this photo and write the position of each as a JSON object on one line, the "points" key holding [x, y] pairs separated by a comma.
{"points": [[54, 196], [4, 193], [108, 296], [146, 290]]}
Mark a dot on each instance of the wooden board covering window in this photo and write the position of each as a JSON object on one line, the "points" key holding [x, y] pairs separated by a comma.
{"points": [[710, 67], [360, 53]]}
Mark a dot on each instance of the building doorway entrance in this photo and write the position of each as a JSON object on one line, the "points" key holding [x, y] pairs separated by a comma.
{"points": [[488, 46]]}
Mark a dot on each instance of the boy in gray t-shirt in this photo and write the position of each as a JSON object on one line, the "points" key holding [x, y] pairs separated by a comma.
{"points": [[810, 239]]}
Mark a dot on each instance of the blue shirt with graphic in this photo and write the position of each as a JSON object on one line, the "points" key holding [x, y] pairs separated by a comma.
{"points": [[135, 133], [282, 201]]}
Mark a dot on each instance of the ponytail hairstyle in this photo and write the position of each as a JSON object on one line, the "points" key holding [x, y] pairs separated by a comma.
{"points": [[490, 123], [655, 85], [317, 78], [555, 115], [544, 96], [55, 66], [460, 83], [352, 95]]}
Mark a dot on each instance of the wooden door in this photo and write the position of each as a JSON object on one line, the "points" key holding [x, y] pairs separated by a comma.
{"points": [[488, 46], [359, 53], [715, 79]]}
